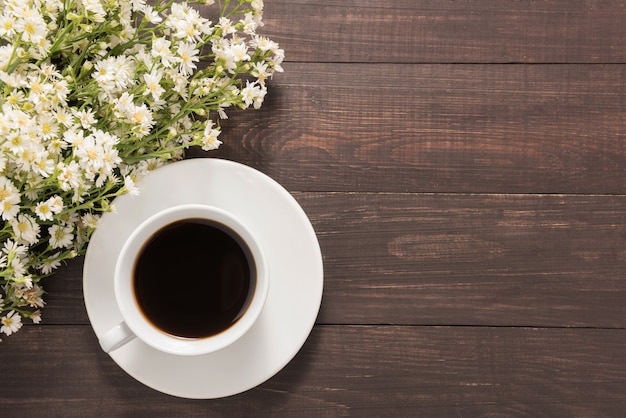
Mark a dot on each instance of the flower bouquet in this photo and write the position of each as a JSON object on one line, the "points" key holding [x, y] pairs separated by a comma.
{"points": [[94, 94]]}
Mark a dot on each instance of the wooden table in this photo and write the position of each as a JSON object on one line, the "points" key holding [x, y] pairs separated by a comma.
{"points": [[464, 165]]}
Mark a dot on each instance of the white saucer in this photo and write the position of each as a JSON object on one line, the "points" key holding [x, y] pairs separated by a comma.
{"points": [[295, 288]]}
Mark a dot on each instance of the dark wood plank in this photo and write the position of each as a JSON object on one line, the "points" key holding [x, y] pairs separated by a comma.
{"points": [[433, 259], [418, 31], [439, 128], [511, 260], [64, 295], [344, 370]]}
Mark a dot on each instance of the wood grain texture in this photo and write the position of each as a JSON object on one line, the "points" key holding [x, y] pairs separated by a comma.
{"points": [[439, 128], [452, 31], [463, 163], [347, 370], [436, 259], [472, 259]]}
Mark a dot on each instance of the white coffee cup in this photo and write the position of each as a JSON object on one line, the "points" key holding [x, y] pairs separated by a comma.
{"points": [[136, 324]]}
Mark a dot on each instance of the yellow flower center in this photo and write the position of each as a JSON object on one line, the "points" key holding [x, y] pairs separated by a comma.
{"points": [[35, 87], [30, 28]]}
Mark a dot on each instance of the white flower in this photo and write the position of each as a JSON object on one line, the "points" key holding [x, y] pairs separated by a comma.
{"points": [[180, 83], [90, 156], [138, 5], [250, 22], [141, 118], [7, 24], [260, 71], [7, 189], [226, 25], [209, 138], [21, 123], [104, 74], [61, 236], [39, 90], [42, 163], [153, 84], [70, 176], [50, 264], [48, 127], [277, 59], [187, 23], [74, 137], [42, 210], [15, 99], [231, 52], [114, 73], [129, 185], [152, 15], [9, 199], [239, 51], [13, 249], [95, 8], [36, 316], [161, 48], [188, 55], [9, 208], [25, 160], [63, 116], [86, 117], [89, 220], [33, 296], [24, 283], [266, 45], [257, 5], [6, 52], [18, 265], [25, 228], [253, 94], [123, 104], [32, 27], [46, 210], [68, 218], [143, 56], [14, 79], [187, 31], [11, 323], [110, 158], [56, 204]]}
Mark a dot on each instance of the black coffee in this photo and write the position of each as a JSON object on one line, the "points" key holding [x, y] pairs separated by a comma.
{"points": [[194, 278]]}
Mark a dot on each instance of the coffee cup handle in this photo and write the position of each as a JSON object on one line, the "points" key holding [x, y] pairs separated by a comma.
{"points": [[116, 337]]}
